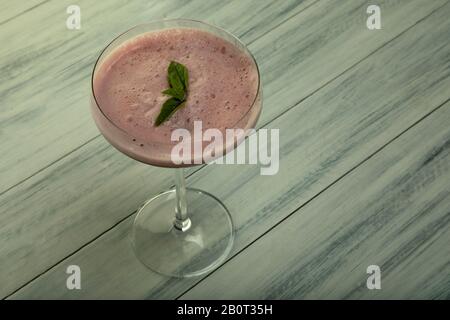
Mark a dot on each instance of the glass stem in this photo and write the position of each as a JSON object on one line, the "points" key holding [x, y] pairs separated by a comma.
{"points": [[182, 221]]}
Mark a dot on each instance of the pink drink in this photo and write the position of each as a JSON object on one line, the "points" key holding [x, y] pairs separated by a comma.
{"points": [[223, 90]]}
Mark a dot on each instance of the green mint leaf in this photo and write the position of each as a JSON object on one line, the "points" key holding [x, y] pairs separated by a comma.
{"points": [[168, 109], [174, 93], [178, 78], [175, 79]]}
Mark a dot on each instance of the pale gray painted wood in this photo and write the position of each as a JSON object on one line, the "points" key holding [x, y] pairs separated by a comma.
{"points": [[392, 211], [356, 114], [45, 68]]}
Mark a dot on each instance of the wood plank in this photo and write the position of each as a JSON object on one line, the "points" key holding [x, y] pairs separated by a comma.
{"points": [[45, 69], [355, 115], [392, 211]]}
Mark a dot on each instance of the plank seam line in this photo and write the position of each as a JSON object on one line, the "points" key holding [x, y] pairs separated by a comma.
{"points": [[316, 195], [50, 164], [98, 135], [23, 12]]}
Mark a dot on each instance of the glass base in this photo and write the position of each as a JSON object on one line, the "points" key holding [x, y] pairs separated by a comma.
{"points": [[172, 252]]}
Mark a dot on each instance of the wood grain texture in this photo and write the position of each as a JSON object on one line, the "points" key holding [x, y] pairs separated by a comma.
{"points": [[355, 114], [37, 127], [392, 211], [84, 219], [45, 69], [10, 10]]}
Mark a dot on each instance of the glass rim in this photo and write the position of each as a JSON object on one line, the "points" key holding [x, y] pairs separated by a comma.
{"points": [[258, 89]]}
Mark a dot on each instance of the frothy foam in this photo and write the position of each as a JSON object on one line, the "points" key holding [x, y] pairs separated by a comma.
{"points": [[223, 83]]}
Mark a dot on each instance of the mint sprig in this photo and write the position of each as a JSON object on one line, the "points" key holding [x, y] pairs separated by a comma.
{"points": [[178, 78]]}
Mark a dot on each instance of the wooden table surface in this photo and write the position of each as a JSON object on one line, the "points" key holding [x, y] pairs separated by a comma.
{"points": [[364, 179]]}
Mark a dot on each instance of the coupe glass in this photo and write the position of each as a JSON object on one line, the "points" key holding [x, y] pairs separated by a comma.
{"points": [[182, 232]]}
